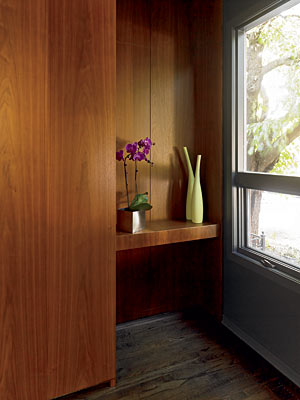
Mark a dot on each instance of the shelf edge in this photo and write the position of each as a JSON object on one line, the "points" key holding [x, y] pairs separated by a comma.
{"points": [[159, 238]]}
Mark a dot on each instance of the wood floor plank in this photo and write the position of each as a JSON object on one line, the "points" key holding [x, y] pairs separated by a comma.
{"points": [[177, 357]]}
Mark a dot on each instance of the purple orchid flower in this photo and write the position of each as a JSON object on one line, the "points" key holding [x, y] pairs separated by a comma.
{"points": [[136, 151], [131, 149], [139, 156], [119, 155], [147, 143]]}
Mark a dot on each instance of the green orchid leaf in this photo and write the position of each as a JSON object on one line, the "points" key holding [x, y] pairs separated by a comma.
{"points": [[141, 207], [139, 199]]}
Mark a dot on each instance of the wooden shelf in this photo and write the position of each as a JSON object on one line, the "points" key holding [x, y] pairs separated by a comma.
{"points": [[166, 232]]}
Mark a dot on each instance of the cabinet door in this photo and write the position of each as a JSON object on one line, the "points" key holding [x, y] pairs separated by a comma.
{"points": [[81, 195], [23, 335], [57, 196]]}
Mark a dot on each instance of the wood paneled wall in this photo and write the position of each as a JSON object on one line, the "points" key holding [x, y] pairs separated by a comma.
{"points": [[172, 106], [81, 191], [184, 103], [57, 190], [23, 104], [133, 91], [206, 27]]}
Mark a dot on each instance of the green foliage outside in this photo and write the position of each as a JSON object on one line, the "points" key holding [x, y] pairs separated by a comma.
{"points": [[273, 53], [273, 109]]}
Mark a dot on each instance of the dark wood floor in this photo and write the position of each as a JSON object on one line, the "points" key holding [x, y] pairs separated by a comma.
{"points": [[174, 357]]}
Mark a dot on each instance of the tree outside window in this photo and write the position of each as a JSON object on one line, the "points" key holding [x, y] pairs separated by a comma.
{"points": [[272, 127]]}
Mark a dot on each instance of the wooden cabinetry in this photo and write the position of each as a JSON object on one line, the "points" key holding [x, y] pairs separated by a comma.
{"points": [[169, 86], [58, 114], [57, 187], [23, 280], [81, 190]]}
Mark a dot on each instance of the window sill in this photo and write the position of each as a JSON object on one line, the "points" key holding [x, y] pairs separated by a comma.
{"points": [[288, 281]]}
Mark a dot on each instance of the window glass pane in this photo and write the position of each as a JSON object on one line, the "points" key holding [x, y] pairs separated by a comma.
{"points": [[272, 95], [274, 225]]}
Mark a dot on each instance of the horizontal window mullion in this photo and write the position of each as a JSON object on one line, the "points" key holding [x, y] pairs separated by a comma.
{"points": [[268, 182]]}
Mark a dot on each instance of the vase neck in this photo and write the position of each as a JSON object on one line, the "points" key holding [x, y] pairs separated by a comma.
{"points": [[189, 165], [197, 171]]}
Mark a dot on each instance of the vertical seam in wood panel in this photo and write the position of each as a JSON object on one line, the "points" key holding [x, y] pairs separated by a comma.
{"points": [[150, 102], [46, 181]]}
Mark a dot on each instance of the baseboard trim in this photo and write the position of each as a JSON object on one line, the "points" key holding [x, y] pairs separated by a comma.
{"points": [[147, 320], [261, 350]]}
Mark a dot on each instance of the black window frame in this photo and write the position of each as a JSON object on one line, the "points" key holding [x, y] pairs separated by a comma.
{"points": [[239, 180]]}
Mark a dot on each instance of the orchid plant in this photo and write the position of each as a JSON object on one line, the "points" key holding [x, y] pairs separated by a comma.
{"points": [[136, 152]]}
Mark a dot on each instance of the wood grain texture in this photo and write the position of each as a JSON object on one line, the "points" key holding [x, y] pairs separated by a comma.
{"points": [[133, 17], [206, 17], [81, 191], [171, 278], [183, 357], [133, 89], [185, 100], [23, 334], [172, 106], [154, 285], [133, 107], [163, 232], [207, 45], [133, 113], [147, 270]]}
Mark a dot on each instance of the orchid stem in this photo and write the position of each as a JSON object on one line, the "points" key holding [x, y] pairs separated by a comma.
{"points": [[126, 182], [135, 178]]}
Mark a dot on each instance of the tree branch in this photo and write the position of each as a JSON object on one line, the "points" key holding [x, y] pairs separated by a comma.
{"points": [[293, 135], [265, 104], [266, 160], [277, 63]]}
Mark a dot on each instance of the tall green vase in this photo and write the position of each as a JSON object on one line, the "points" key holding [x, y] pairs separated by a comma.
{"points": [[197, 200], [188, 208]]}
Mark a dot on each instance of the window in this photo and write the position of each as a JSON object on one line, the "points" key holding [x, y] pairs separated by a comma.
{"points": [[266, 193]]}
